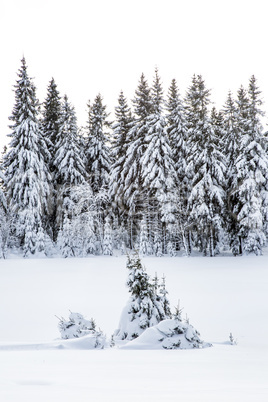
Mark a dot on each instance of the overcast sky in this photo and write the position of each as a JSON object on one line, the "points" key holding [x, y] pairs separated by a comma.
{"points": [[103, 46]]}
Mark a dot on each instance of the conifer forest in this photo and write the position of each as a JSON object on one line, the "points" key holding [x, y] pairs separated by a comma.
{"points": [[170, 173]]}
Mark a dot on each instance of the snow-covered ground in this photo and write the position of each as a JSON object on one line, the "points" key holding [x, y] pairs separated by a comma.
{"points": [[219, 295]]}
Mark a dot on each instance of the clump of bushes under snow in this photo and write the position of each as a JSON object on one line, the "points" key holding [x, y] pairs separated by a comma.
{"points": [[77, 326]]}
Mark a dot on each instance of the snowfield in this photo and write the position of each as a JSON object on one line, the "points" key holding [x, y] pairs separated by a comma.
{"points": [[220, 295]]}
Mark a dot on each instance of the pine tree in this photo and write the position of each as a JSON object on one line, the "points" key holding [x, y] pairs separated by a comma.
{"points": [[177, 134], [121, 128], [50, 126], [231, 146], [249, 187], [51, 118], [97, 150], [177, 131], [69, 166], [27, 176], [206, 170], [126, 180], [131, 172], [164, 299], [120, 144], [157, 167], [143, 309]]}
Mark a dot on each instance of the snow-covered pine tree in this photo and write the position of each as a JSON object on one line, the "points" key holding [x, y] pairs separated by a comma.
{"points": [[120, 143], [206, 170], [27, 175], [121, 127], [50, 126], [130, 188], [68, 164], [158, 176], [249, 188], [51, 118], [107, 238], [177, 131], [177, 134], [98, 153], [164, 299], [143, 309], [231, 146]]}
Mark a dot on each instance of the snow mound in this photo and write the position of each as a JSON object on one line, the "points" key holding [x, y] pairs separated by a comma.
{"points": [[168, 334], [87, 342]]}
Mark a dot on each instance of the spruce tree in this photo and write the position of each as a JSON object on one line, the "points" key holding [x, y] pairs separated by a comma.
{"points": [[120, 144], [97, 151], [128, 190], [177, 131], [50, 126], [68, 163], [131, 172], [231, 146], [69, 169], [249, 187], [144, 308], [177, 134], [51, 118], [27, 175], [121, 127], [206, 170], [157, 167]]}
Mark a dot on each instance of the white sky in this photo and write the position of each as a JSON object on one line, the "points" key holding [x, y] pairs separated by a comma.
{"points": [[104, 46]]}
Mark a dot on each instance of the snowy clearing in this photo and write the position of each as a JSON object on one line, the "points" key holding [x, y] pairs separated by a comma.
{"points": [[220, 296]]}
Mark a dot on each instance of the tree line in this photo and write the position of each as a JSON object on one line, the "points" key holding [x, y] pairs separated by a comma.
{"points": [[168, 174]]}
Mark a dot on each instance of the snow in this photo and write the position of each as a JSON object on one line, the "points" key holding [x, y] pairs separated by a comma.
{"points": [[220, 295]]}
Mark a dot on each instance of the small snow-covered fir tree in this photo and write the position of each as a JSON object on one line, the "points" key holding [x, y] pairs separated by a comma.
{"points": [[144, 308], [145, 246], [26, 171], [164, 299], [107, 238]]}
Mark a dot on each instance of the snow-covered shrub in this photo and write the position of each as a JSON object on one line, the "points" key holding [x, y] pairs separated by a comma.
{"points": [[168, 334], [77, 326]]}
